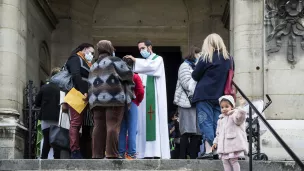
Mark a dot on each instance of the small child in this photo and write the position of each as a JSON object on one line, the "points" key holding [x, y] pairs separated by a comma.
{"points": [[231, 139], [174, 135]]}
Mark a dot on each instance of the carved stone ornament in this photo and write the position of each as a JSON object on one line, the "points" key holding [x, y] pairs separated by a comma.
{"points": [[285, 18]]}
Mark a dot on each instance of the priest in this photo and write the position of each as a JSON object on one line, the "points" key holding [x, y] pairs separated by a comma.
{"points": [[152, 136]]}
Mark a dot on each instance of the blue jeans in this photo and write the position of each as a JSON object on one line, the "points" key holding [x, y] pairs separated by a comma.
{"points": [[207, 115], [128, 124]]}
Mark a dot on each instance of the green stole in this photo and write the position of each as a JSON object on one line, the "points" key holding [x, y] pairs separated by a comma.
{"points": [[150, 108]]}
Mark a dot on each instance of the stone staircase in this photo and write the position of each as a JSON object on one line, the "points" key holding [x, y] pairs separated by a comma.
{"points": [[86, 165]]}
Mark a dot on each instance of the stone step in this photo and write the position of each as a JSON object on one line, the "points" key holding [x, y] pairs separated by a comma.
{"points": [[85, 165]]}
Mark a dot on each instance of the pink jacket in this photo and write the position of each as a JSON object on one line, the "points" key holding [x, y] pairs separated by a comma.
{"points": [[230, 133]]}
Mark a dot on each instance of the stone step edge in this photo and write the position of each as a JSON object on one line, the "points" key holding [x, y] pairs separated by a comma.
{"points": [[204, 165]]}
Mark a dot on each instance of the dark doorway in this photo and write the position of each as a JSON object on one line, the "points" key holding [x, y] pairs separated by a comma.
{"points": [[172, 59]]}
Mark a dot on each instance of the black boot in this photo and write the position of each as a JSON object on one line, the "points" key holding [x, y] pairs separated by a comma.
{"points": [[208, 156]]}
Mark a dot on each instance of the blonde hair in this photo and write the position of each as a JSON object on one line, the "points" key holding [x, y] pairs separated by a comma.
{"points": [[212, 43]]}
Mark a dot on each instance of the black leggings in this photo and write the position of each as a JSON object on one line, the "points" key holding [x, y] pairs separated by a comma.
{"points": [[192, 147], [46, 145]]}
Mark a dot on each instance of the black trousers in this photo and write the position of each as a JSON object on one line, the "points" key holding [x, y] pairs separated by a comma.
{"points": [[191, 148], [46, 145], [85, 142]]}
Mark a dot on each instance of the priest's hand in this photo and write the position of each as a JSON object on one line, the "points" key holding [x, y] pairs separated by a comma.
{"points": [[130, 57]]}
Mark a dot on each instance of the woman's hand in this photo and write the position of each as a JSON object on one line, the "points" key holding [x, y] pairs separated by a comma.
{"points": [[214, 146], [65, 108], [85, 97]]}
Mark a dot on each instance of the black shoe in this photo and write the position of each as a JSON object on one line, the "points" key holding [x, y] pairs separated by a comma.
{"points": [[208, 156], [76, 155], [216, 157]]}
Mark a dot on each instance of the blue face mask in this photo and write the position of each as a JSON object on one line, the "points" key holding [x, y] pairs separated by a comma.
{"points": [[144, 53]]}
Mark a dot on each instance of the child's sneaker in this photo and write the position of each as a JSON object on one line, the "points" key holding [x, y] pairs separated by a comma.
{"points": [[130, 157]]}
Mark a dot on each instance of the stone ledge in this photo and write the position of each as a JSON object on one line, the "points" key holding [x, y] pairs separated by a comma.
{"points": [[203, 165]]}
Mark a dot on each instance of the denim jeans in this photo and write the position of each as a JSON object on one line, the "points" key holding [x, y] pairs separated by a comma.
{"points": [[128, 124], [207, 115]]}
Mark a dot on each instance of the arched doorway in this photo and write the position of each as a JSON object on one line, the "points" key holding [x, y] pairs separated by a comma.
{"points": [[44, 63]]}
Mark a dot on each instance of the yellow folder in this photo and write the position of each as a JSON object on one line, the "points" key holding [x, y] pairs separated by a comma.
{"points": [[75, 99]]}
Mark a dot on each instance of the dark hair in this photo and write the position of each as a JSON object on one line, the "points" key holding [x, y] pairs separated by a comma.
{"points": [[105, 47], [81, 47], [146, 42], [226, 100], [193, 50], [129, 62], [55, 71]]}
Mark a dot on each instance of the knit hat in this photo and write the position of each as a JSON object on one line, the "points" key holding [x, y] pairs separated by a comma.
{"points": [[229, 98]]}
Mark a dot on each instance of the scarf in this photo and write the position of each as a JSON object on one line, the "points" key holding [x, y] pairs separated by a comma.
{"points": [[81, 55], [191, 63]]}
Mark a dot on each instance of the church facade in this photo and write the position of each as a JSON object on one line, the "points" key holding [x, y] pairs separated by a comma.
{"points": [[265, 37]]}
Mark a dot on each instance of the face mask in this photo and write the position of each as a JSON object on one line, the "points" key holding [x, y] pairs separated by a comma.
{"points": [[113, 54], [144, 53], [89, 57]]}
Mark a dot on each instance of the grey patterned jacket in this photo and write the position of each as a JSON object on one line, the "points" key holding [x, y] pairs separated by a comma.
{"points": [[185, 80], [107, 80]]}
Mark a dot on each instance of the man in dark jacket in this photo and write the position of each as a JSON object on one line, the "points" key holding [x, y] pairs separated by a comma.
{"points": [[48, 99]]}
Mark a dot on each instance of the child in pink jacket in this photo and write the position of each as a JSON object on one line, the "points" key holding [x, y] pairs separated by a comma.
{"points": [[231, 139]]}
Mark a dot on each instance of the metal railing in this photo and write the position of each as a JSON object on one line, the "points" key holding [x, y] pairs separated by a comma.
{"points": [[274, 133], [30, 116]]}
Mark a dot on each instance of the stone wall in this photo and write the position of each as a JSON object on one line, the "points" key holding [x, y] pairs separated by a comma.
{"points": [[263, 66], [39, 32], [284, 62], [283, 75], [167, 23], [25, 35]]}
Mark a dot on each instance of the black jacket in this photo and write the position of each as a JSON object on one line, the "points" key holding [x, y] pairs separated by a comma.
{"points": [[211, 78], [48, 99], [79, 70]]}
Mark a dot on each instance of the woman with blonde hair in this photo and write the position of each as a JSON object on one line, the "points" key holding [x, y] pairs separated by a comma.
{"points": [[211, 74]]}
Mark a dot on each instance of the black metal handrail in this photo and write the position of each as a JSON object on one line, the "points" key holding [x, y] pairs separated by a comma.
{"points": [[274, 133]]}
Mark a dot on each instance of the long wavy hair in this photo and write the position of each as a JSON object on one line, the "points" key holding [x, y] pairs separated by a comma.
{"points": [[212, 43]]}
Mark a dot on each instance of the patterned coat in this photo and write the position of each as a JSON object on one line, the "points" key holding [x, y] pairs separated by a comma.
{"points": [[107, 80]]}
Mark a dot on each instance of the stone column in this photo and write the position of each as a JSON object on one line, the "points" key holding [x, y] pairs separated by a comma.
{"points": [[13, 33], [247, 43]]}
